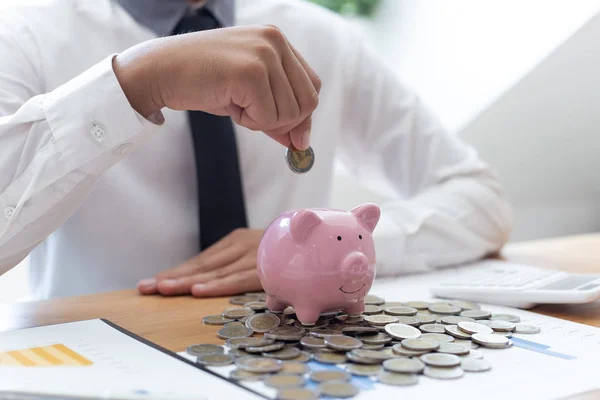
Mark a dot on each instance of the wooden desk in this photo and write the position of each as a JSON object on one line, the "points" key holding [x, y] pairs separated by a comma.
{"points": [[176, 322]]}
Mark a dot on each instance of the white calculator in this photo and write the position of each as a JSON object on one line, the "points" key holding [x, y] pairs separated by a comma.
{"points": [[516, 285]]}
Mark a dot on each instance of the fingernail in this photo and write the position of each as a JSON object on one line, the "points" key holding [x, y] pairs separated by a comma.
{"points": [[306, 139], [148, 283]]}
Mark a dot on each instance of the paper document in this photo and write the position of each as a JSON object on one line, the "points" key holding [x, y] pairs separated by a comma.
{"points": [[92, 358], [558, 362]]}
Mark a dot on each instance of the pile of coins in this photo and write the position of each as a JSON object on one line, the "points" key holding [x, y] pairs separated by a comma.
{"points": [[394, 343]]}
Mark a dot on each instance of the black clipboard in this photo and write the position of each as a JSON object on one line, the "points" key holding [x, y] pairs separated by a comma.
{"points": [[178, 357]]}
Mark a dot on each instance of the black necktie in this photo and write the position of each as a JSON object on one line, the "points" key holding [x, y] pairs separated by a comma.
{"points": [[220, 196]]}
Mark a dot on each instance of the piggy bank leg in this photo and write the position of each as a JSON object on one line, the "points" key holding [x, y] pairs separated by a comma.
{"points": [[307, 316], [275, 305], [355, 308]]}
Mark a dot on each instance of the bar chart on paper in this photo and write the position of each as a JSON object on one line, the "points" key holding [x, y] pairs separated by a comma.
{"points": [[45, 356]]}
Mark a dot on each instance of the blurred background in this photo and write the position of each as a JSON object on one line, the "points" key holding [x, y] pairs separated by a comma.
{"points": [[516, 79]]}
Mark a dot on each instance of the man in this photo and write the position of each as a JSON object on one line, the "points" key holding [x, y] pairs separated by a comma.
{"points": [[103, 181]]}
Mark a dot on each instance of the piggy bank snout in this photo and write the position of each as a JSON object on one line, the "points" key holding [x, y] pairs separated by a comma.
{"points": [[355, 266]]}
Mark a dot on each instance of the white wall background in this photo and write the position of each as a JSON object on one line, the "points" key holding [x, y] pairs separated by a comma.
{"points": [[541, 131], [461, 56]]}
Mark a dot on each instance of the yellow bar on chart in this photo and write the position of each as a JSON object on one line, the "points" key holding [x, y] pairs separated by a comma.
{"points": [[57, 355]]}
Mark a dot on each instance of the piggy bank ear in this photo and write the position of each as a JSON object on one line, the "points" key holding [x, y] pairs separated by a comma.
{"points": [[368, 215], [302, 223]]}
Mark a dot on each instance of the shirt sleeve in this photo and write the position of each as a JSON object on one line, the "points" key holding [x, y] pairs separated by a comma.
{"points": [[54, 145], [448, 206]]}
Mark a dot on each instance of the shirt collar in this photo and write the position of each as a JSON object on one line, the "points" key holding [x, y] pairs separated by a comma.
{"points": [[161, 16]]}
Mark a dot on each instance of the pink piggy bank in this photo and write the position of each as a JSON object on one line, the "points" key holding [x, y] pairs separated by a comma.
{"points": [[319, 260]]}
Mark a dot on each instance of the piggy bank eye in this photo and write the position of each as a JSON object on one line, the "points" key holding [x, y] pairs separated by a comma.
{"points": [[360, 237], [339, 238]]}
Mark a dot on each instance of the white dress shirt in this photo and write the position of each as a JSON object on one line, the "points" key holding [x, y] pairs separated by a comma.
{"points": [[100, 197]]}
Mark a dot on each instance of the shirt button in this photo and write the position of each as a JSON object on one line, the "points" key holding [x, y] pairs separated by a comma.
{"points": [[124, 149], [98, 132], [8, 212]]}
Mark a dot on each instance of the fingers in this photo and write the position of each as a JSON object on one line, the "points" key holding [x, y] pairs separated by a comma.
{"points": [[245, 281]]}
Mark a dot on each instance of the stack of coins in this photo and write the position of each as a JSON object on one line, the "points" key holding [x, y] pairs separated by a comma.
{"points": [[392, 343]]}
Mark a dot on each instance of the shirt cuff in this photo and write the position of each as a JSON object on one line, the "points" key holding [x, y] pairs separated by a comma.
{"points": [[90, 115]]}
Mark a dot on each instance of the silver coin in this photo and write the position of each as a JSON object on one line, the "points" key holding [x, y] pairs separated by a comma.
{"points": [[265, 349], [329, 375], [259, 364], [465, 305], [404, 365], [295, 368], [454, 319], [356, 330], [527, 329], [408, 320], [312, 342], [373, 355], [302, 358], [380, 338], [362, 360], [337, 389], [286, 353], [259, 296], [238, 353], [453, 330], [440, 359], [241, 300], [419, 305], [438, 337], [299, 161], [432, 328], [467, 343], [297, 394], [330, 358], [233, 330], [363, 369], [256, 305], [216, 320], [380, 319], [323, 333], [350, 319], [396, 379], [506, 317], [289, 310], [505, 334], [474, 327], [444, 309], [343, 343], [491, 340], [241, 375], [443, 372], [393, 304], [453, 348], [280, 381], [402, 331], [237, 313], [367, 346], [374, 300], [475, 365], [262, 322], [425, 318], [476, 314], [420, 344], [474, 354], [401, 310], [197, 350], [371, 309], [215, 360], [404, 352], [242, 343], [500, 325], [286, 333]]}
